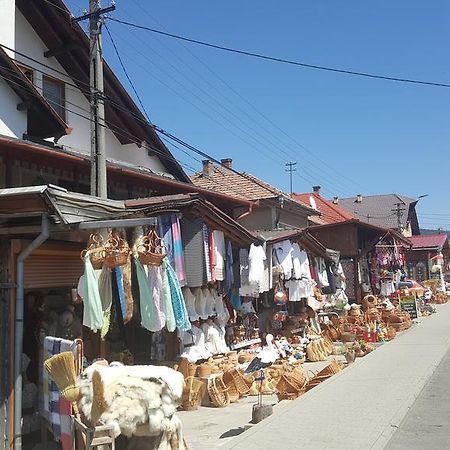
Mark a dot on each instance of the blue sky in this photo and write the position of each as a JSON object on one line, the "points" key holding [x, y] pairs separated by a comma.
{"points": [[350, 135]]}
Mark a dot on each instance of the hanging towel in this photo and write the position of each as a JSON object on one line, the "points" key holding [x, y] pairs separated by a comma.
{"points": [[194, 254], [167, 299], [178, 250], [118, 271], [179, 305], [219, 241], [212, 255], [127, 287], [229, 270], [104, 288], [93, 314], [159, 312], [166, 232], [145, 296], [205, 234]]}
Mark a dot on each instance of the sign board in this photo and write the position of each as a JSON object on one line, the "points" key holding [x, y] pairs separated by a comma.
{"points": [[409, 305]]}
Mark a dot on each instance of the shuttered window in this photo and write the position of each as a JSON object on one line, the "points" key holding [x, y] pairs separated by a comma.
{"points": [[53, 91]]}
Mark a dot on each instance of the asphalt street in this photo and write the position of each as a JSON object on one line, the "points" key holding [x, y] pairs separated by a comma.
{"points": [[426, 425]]}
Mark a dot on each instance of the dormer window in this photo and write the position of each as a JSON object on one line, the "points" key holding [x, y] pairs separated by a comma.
{"points": [[53, 91]]}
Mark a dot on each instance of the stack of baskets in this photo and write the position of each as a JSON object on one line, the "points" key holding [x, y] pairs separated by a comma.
{"points": [[218, 392], [331, 369], [291, 384], [191, 396], [236, 383]]}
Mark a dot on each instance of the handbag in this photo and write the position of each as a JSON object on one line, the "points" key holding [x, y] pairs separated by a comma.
{"points": [[280, 297]]}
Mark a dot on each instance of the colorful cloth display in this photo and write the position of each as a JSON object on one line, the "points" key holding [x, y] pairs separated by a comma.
{"points": [[92, 311]]}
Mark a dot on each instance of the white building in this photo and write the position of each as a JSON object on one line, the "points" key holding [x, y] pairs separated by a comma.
{"points": [[44, 99]]}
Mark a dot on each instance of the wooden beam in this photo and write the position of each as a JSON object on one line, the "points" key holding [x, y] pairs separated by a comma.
{"points": [[65, 48], [24, 106]]}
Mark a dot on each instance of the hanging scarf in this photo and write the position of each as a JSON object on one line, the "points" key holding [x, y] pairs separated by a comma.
{"points": [[92, 314], [167, 300], [126, 274], [205, 235], [165, 223], [212, 255], [229, 273], [178, 250], [178, 303], [118, 272]]}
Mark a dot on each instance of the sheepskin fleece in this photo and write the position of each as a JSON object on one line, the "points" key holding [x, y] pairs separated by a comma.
{"points": [[140, 402]]}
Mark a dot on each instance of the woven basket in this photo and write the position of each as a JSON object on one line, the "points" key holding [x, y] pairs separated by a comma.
{"points": [[204, 370], [96, 251], [191, 397], [151, 249], [288, 396], [218, 392], [232, 391], [117, 251], [331, 369], [287, 385], [187, 368], [236, 376]]}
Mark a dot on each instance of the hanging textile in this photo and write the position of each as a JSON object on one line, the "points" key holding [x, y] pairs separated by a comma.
{"points": [[205, 234], [118, 272], [178, 250], [165, 231], [229, 264], [178, 303], [300, 262], [194, 255], [256, 258], [212, 255], [190, 304], [147, 306], [92, 311], [167, 298], [156, 283], [104, 288], [283, 254], [128, 290], [219, 239]]}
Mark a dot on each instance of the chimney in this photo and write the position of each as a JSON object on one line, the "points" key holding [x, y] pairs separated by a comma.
{"points": [[207, 168], [335, 200], [316, 189], [227, 162], [358, 198]]}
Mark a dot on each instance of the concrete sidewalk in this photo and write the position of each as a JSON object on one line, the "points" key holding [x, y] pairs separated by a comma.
{"points": [[362, 406]]}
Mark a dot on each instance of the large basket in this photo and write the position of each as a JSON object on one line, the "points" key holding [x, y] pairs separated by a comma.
{"points": [[117, 251], [331, 369], [218, 392], [187, 368], [288, 396], [235, 376], [96, 250], [151, 249], [191, 397], [232, 390], [288, 385]]}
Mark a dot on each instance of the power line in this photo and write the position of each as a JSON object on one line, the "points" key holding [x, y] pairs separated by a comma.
{"points": [[281, 60], [126, 72], [291, 167]]}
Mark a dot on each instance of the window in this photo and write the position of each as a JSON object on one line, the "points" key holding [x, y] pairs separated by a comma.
{"points": [[27, 72], [53, 91]]}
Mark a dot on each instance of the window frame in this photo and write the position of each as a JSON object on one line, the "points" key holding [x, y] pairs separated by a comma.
{"points": [[61, 110]]}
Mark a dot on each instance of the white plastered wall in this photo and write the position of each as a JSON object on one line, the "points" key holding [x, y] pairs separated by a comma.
{"points": [[16, 32]]}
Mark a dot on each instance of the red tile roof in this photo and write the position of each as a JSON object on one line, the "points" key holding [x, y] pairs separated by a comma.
{"points": [[431, 241], [330, 213]]}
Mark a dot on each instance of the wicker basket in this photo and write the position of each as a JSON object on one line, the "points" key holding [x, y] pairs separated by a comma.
{"points": [[187, 368], [151, 249], [218, 392], [204, 370], [96, 251], [287, 385], [117, 251], [232, 391], [191, 397], [331, 369], [288, 396], [235, 376]]}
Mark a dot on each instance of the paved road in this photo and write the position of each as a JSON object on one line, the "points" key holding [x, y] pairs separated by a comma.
{"points": [[426, 425]]}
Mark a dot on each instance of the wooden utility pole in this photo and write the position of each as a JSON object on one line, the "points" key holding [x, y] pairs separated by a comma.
{"points": [[399, 212], [98, 153], [291, 168]]}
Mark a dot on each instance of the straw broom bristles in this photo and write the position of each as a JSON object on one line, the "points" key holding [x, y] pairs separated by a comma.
{"points": [[61, 368], [99, 404]]}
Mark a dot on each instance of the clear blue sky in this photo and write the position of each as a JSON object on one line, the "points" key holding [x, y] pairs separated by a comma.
{"points": [[350, 135]]}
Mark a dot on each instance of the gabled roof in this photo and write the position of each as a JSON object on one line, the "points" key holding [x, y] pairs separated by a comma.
{"points": [[243, 185], [42, 119], [329, 212], [429, 242], [67, 41], [378, 209]]}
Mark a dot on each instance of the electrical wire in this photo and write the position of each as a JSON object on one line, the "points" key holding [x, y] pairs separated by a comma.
{"points": [[280, 60], [330, 173]]}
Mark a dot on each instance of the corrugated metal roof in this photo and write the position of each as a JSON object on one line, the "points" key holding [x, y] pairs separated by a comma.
{"points": [[431, 241], [378, 209]]}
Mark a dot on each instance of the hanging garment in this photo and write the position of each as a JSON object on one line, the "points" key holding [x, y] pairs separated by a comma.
{"points": [[193, 344], [200, 303], [229, 267], [167, 299], [209, 301], [331, 288], [221, 254], [235, 299], [246, 289], [156, 284], [147, 305], [92, 311], [118, 272], [166, 233], [219, 307], [178, 304], [300, 262], [205, 235], [178, 250], [104, 288], [214, 340], [297, 290], [194, 254], [190, 304], [283, 253], [322, 272], [212, 255], [256, 258], [128, 290]]}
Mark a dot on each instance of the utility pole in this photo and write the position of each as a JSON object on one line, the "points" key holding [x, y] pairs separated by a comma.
{"points": [[399, 212], [98, 153], [291, 167]]}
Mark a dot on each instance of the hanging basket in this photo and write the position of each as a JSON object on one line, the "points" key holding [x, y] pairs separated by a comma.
{"points": [[151, 249], [95, 248], [117, 251]]}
